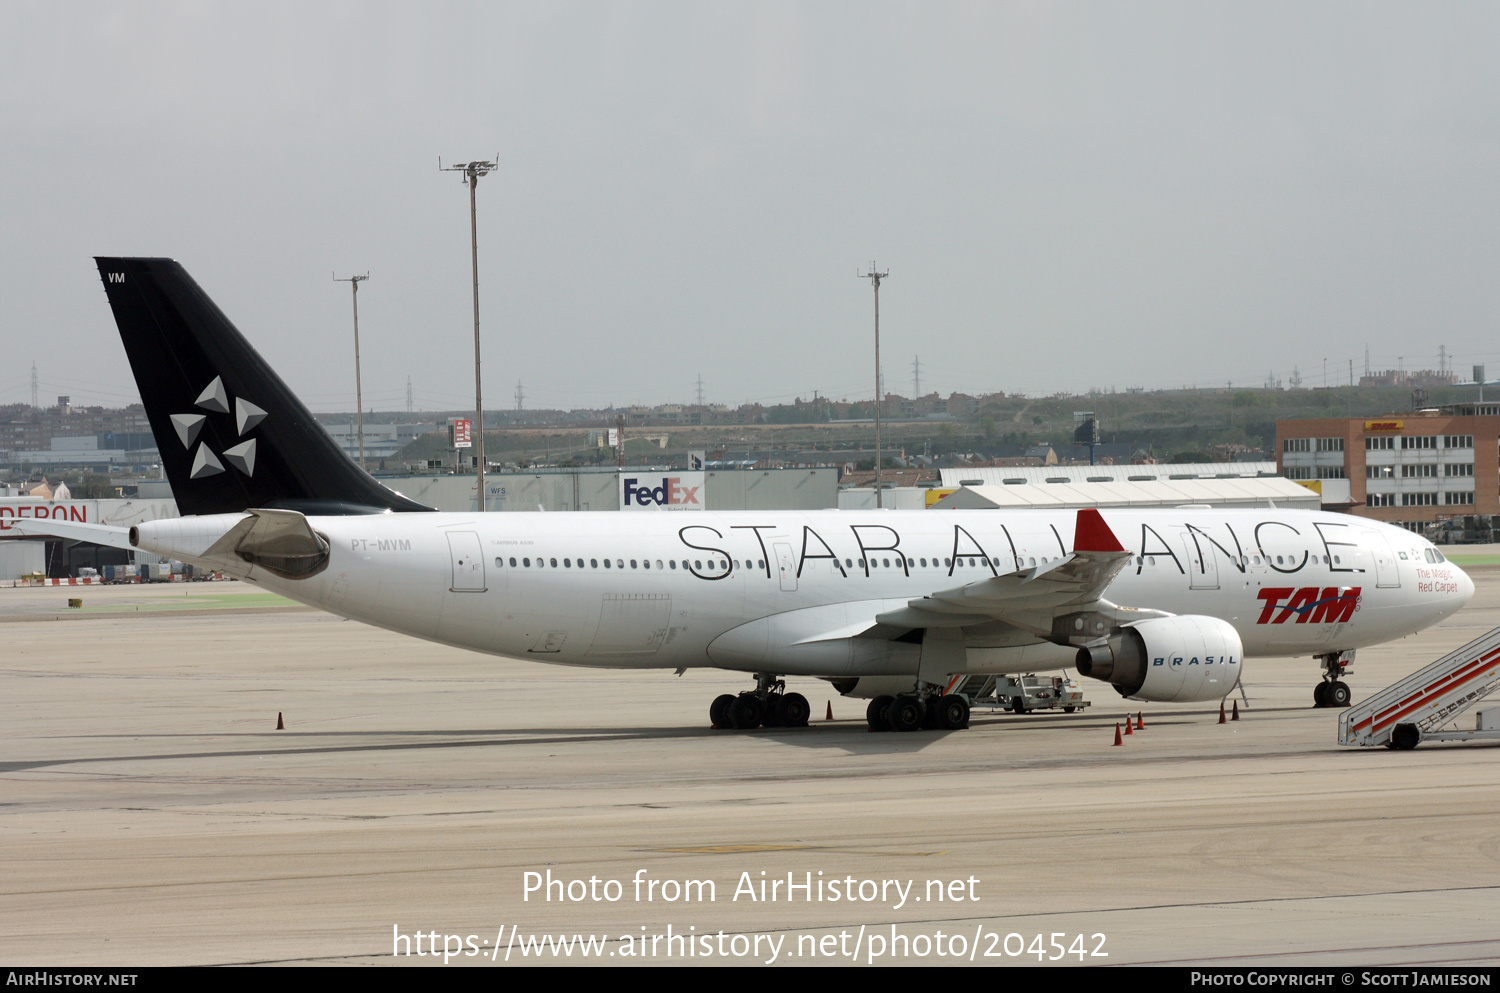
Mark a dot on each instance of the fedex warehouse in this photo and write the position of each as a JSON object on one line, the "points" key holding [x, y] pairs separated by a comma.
{"points": [[675, 491]]}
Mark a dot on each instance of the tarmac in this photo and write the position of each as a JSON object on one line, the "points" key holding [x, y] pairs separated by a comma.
{"points": [[151, 814]]}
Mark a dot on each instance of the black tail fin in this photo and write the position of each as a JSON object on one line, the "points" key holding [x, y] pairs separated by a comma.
{"points": [[231, 435]]}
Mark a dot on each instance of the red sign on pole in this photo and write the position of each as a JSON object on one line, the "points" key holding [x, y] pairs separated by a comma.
{"points": [[463, 433]]}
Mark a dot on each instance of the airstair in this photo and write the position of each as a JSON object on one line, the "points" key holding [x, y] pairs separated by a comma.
{"points": [[1421, 706]]}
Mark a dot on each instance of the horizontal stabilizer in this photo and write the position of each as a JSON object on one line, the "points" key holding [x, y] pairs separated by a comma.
{"points": [[99, 534]]}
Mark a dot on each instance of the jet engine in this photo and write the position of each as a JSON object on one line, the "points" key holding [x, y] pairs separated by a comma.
{"points": [[1183, 659]]}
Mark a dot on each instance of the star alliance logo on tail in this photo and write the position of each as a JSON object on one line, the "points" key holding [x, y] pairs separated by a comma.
{"points": [[247, 415]]}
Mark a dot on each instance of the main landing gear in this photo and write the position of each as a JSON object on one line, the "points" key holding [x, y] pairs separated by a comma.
{"points": [[767, 705], [911, 711], [1333, 691]]}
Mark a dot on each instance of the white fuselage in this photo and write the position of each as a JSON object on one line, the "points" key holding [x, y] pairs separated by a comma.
{"points": [[734, 590]]}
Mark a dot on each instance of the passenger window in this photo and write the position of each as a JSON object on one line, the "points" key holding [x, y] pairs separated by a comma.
{"points": [[760, 563], [513, 563], [1151, 560], [499, 562], [697, 564], [848, 564], [554, 563], [924, 563], [645, 563], [632, 563], [526, 563], [948, 563], [886, 563], [658, 563], [672, 563], [619, 563], [606, 563]]}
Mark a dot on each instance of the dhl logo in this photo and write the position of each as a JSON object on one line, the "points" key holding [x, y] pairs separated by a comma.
{"points": [[1332, 605]]}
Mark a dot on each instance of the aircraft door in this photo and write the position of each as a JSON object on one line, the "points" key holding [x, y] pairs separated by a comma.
{"points": [[468, 562], [786, 564], [1386, 573], [1202, 567]]}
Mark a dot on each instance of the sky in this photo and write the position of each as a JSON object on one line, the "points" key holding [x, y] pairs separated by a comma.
{"points": [[1067, 196]]}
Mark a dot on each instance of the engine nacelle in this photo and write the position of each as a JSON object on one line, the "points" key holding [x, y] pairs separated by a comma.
{"points": [[1184, 659]]}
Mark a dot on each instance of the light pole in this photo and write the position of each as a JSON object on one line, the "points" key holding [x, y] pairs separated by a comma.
{"points": [[359, 402], [875, 276], [471, 173]]}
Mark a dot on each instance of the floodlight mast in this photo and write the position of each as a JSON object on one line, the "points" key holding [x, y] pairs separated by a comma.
{"points": [[359, 403], [875, 276], [471, 173]]}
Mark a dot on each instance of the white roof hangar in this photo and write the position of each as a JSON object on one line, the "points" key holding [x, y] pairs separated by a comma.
{"points": [[1058, 487]]}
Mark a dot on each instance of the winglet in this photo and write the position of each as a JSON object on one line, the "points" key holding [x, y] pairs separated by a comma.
{"points": [[1092, 535]]}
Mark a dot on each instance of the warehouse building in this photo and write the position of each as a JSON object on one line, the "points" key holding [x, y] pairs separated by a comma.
{"points": [[1409, 469]]}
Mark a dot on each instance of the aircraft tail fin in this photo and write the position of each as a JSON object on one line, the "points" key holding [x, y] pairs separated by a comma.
{"points": [[232, 436]]}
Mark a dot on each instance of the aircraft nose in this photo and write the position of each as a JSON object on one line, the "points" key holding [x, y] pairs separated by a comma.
{"points": [[1465, 585]]}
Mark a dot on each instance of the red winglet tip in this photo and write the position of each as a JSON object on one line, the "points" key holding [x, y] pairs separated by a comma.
{"points": [[1093, 535]]}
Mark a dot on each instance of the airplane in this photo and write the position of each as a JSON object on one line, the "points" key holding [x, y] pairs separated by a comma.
{"points": [[893, 606]]}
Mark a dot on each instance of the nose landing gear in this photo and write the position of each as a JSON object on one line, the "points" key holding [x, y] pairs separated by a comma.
{"points": [[1333, 691], [767, 705]]}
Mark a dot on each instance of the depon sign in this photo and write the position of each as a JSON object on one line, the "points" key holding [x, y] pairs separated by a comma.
{"points": [[682, 492]]}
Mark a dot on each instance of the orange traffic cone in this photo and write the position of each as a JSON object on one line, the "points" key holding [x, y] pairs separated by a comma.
{"points": [[1236, 711], [1140, 723], [830, 711], [1221, 711], [1128, 728], [1118, 739], [279, 725]]}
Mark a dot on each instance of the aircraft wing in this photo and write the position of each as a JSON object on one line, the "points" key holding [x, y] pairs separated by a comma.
{"points": [[1032, 598]]}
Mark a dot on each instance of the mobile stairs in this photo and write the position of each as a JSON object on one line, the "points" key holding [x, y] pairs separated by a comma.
{"points": [[1420, 707]]}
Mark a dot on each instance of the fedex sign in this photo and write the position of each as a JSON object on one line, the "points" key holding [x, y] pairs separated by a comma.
{"points": [[683, 491]]}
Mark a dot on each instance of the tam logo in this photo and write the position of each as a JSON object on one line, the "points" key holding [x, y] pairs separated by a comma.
{"points": [[1333, 605], [671, 494]]}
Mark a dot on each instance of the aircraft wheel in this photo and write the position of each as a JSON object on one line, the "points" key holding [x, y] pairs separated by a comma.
{"points": [[905, 714], [746, 712], [952, 712], [770, 711], [793, 710], [1405, 737], [1320, 695], [718, 711], [1337, 694], [875, 713]]}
